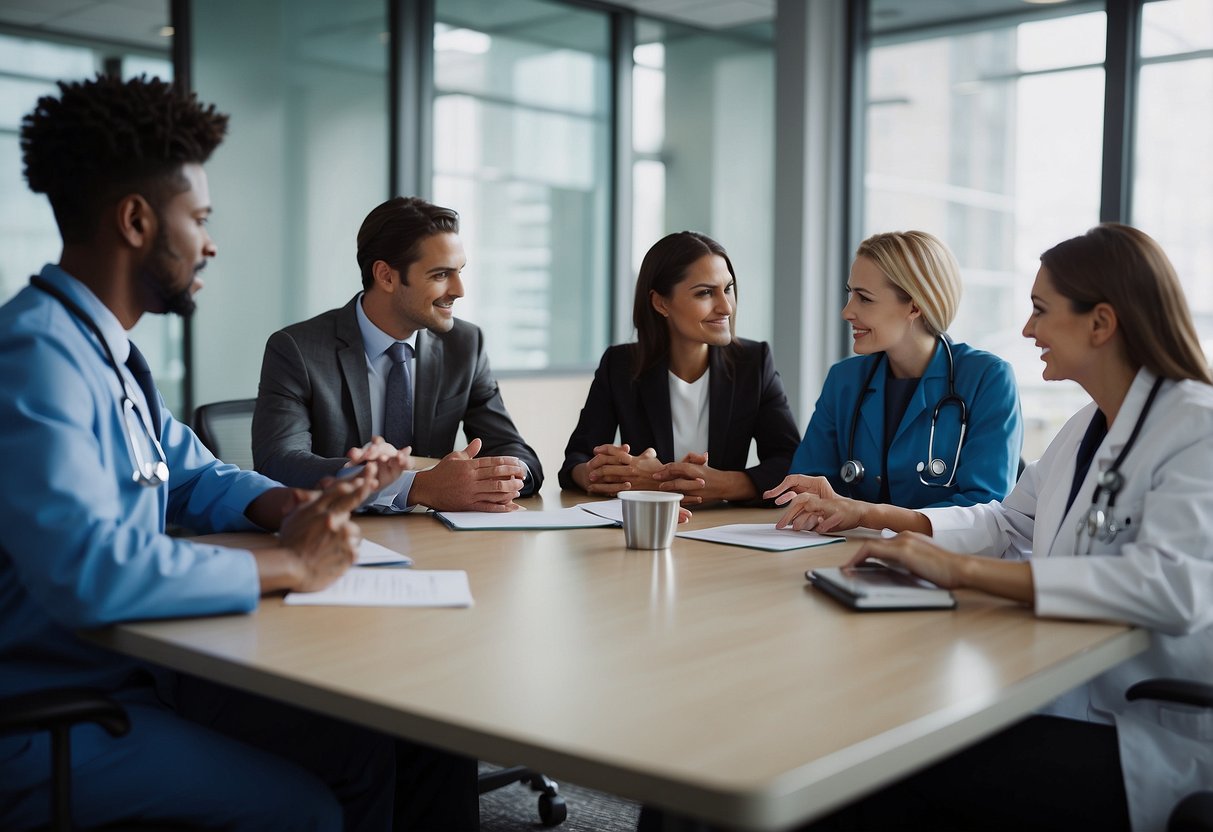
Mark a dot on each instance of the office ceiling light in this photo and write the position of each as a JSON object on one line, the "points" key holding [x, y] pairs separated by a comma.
{"points": [[1043, 2], [166, 31]]}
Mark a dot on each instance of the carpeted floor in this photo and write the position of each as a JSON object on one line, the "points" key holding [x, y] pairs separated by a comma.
{"points": [[514, 808]]}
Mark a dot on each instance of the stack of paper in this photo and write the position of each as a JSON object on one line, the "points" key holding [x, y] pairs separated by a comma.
{"points": [[371, 553], [761, 536], [391, 588], [561, 518]]}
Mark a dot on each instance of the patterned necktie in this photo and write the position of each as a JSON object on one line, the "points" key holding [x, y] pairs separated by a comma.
{"points": [[398, 403], [137, 364]]}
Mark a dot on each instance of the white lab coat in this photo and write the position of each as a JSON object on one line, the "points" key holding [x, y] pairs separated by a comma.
{"points": [[1157, 573]]}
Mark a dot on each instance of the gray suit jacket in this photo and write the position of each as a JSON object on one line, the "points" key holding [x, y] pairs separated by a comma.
{"points": [[313, 403]]}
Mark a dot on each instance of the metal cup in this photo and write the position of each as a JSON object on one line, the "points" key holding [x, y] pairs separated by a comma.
{"points": [[649, 518]]}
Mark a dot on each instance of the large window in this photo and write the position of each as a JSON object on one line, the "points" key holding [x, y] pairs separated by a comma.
{"points": [[522, 139], [989, 138], [305, 160], [1173, 181], [703, 150], [29, 238]]}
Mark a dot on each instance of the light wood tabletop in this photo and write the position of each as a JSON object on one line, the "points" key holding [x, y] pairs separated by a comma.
{"points": [[706, 679]]}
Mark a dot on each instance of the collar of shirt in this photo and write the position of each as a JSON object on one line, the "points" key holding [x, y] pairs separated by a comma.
{"points": [[376, 342], [105, 320]]}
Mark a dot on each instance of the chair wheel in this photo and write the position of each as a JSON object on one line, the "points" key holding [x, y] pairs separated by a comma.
{"points": [[552, 810]]}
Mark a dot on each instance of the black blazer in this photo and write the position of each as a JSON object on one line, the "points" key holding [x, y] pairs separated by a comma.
{"points": [[314, 404], [746, 402]]}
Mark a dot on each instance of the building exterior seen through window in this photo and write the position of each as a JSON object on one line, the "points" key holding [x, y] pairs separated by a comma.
{"points": [[522, 146]]}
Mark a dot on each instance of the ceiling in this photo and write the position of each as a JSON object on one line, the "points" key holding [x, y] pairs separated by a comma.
{"points": [[139, 22], [131, 22]]}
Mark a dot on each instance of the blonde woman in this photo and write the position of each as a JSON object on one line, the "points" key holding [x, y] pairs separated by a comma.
{"points": [[914, 419]]}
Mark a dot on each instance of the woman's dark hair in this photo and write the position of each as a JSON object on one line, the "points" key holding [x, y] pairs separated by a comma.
{"points": [[664, 267], [1126, 269], [393, 233], [105, 138]]}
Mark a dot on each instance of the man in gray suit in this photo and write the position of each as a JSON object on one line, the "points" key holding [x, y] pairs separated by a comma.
{"points": [[394, 363]]}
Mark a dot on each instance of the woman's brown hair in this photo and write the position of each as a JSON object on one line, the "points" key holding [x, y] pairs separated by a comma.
{"points": [[1126, 269], [664, 267]]}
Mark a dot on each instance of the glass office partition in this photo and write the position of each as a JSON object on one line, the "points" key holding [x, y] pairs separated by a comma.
{"points": [[305, 160], [1173, 167], [703, 149], [30, 66], [989, 138], [522, 151]]}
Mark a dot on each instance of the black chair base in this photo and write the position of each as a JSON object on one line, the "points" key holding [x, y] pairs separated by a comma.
{"points": [[552, 810]]}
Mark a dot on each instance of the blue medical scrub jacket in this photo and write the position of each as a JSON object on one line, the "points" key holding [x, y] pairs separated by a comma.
{"points": [[81, 544], [989, 458]]}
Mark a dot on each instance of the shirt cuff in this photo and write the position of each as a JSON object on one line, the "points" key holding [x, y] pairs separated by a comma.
{"points": [[394, 499]]}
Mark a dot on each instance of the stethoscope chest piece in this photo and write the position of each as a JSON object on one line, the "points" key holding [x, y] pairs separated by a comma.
{"points": [[937, 467], [852, 471], [1099, 522]]}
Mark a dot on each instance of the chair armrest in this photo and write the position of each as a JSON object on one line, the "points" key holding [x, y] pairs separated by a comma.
{"points": [[1183, 691], [47, 710]]}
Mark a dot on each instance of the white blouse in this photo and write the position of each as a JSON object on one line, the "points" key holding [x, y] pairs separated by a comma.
{"points": [[689, 413]]}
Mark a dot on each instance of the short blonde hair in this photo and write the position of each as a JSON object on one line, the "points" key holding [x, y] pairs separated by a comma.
{"points": [[923, 268]]}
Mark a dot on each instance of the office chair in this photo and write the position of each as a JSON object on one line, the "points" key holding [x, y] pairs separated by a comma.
{"points": [[552, 809], [57, 711], [1193, 813], [226, 428]]}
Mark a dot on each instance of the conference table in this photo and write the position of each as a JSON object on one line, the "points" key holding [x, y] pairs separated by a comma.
{"points": [[709, 680]]}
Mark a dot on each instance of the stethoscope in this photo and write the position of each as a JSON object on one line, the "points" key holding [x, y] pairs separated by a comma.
{"points": [[853, 470], [151, 473], [1098, 523]]}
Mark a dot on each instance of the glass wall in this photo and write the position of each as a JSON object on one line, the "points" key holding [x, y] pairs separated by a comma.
{"points": [[703, 150], [305, 160], [29, 238], [1173, 166], [989, 138], [522, 149]]}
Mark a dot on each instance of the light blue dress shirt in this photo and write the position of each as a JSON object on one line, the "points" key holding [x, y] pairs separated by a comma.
{"points": [[395, 497], [81, 543]]}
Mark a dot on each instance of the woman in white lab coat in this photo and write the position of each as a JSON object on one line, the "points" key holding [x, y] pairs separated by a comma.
{"points": [[1114, 523]]}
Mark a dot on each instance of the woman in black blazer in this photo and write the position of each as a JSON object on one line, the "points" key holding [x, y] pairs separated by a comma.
{"points": [[688, 396]]}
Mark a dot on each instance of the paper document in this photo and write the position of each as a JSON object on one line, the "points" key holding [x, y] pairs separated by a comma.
{"points": [[610, 509], [561, 518], [371, 553], [391, 588], [761, 536]]}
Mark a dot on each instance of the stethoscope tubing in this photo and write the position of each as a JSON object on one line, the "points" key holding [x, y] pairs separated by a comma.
{"points": [[853, 470], [149, 474]]}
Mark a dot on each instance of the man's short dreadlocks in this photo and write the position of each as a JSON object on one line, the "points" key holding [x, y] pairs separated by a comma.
{"points": [[104, 138]]}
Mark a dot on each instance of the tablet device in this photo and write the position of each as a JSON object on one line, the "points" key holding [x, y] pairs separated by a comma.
{"points": [[871, 586]]}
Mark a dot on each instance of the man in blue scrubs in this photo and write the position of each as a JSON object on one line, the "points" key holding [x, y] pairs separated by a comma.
{"points": [[95, 465]]}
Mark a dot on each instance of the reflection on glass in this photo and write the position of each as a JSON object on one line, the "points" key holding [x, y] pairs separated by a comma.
{"points": [[1176, 27], [1173, 170], [306, 159], [522, 152], [990, 140], [703, 117], [29, 237]]}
